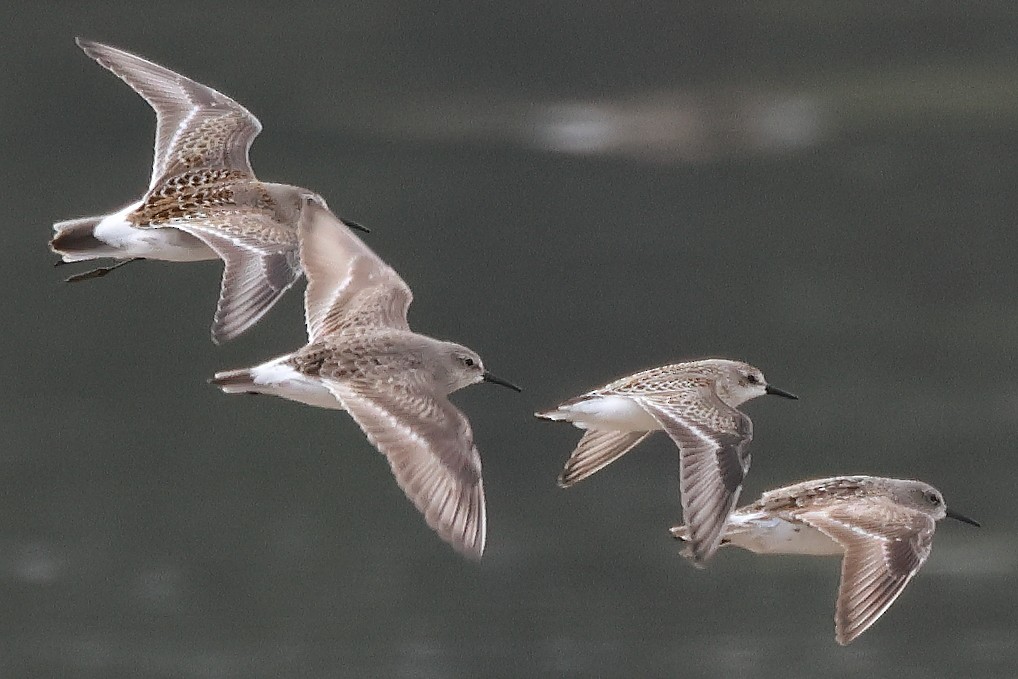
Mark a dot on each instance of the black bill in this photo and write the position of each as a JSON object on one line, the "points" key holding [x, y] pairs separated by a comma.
{"points": [[963, 519], [780, 392], [354, 225], [488, 377]]}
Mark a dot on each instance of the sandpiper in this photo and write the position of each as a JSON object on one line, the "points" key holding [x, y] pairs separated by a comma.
{"points": [[696, 405], [362, 357], [203, 201], [883, 528]]}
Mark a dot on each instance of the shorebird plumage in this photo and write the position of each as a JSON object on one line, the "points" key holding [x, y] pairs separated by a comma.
{"points": [[882, 527], [203, 201], [696, 404], [363, 357]]}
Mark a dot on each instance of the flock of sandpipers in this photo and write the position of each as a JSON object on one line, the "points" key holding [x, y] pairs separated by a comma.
{"points": [[204, 202]]}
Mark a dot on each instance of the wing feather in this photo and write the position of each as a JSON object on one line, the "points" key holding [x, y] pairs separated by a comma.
{"points": [[597, 449], [713, 462], [885, 545], [196, 126], [256, 273], [431, 450], [347, 282]]}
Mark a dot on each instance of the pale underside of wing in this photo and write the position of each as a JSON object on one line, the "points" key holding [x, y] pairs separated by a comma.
{"points": [[597, 449], [260, 264], [885, 545], [196, 127], [712, 466], [430, 448], [347, 282]]}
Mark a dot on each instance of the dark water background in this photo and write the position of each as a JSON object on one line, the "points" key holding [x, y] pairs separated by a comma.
{"points": [[576, 190]]}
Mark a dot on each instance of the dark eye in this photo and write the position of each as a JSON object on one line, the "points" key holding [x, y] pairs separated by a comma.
{"points": [[469, 362], [752, 379], [933, 498]]}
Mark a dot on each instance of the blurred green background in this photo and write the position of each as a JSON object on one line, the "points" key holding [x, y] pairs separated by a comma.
{"points": [[577, 191]]}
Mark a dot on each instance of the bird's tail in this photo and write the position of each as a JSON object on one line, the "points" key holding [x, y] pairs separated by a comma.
{"points": [[239, 381], [74, 240], [682, 533], [553, 414], [564, 411]]}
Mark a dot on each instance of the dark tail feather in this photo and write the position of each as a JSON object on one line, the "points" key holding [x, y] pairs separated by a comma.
{"points": [[75, 239], [235, 381]]}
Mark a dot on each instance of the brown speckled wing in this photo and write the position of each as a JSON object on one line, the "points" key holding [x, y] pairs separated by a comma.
{"points": [[196, 127], [807, 494], [347, 282], [885, 545], [662, 380], [713, 441], [260, 264], [431, 450]]}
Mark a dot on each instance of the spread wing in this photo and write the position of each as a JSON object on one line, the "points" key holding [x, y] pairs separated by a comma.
{"points": [[431, 450], [885, 545], [347, 282], [713, 440], [260, 264], [596, 450], [196, 127]]}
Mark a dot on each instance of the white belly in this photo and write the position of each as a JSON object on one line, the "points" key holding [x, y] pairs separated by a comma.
{"points": [[167, 244], [283, 381], [616, 413], [764, 534]]}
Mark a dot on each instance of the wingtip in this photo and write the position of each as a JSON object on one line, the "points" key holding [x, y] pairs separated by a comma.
{"points": [[689, 552], [698, 563], [472, 553], [87, 46], [845, 631], [243, 304], [568, 477], [470, 546], [465, 533], [230, 325], [221, 333], [225, 330], [699, 552], [217, 336]]}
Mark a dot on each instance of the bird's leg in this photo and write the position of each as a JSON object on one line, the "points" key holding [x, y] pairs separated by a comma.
{"points": [[101, 271]]}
